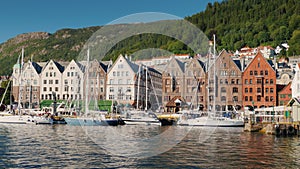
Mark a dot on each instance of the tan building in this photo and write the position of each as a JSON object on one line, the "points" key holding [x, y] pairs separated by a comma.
{"points": [[195, 82], [228, 83]]}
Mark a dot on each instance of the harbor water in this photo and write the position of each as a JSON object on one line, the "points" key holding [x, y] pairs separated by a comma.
{"points": [[63, 146]]}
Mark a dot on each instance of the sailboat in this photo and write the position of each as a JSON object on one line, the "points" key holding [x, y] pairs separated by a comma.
{"points": [[11, 117], [91, 117], [211, 118], [137, 116]]}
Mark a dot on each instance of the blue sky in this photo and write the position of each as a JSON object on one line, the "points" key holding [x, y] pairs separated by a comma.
{"points": [[22, 16]]}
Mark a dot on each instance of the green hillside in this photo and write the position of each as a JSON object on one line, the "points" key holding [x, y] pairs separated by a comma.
{"points": [[239, 23]]}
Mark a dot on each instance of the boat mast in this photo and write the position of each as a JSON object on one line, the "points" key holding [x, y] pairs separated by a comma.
{"points": [[146, 88], [214, 73], [87, 83], [20, 82], [138, 89]]}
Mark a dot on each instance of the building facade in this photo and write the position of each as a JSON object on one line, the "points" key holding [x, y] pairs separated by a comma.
{"points": [[259, 83]]}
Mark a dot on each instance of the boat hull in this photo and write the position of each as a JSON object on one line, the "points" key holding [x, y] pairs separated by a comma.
{"points": [[141, 122], [91, 122], [15, 119], [212, 122]]}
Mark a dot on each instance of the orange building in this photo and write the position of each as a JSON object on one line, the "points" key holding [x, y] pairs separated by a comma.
{"points": [[259, 83], [284, 95]]}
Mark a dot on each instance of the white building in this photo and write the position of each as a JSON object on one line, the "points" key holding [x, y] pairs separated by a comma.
{"points": [[72, 81], [51, 81], [296, 83], [126, 83], [26, 84]]}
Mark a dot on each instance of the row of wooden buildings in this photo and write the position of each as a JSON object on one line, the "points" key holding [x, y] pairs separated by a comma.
{"points": [[230, 83]]}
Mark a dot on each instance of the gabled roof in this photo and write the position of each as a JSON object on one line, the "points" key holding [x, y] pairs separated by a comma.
{"points": [[288, 86], [37, 67], [172, 103], [259, 54], [59, 66], [292, 101]]}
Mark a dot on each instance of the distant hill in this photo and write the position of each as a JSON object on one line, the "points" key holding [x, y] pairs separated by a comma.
{"points": [[236, 23]]}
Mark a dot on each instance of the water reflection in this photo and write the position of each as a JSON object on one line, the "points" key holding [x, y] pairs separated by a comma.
{"points": [[59, 146]]}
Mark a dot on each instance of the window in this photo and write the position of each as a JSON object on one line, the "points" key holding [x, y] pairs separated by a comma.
{"points": [[266, 72], [45, 89], [251, 99], [258, 98], [271, 98], [45, 81], [255, 72], [267, 90], [259, 81], [233, 73], [246, 98], [271, 90], [235, 98], [56, 81], [223, 98], [246, 81], [271, 81], [267, 81], [237, 81], [221, 81], [251, 73], [250, 81], [232, 81], [46, 74], [246, 90], [56, 89], [235, 90], [50, 81], [267, 98], [261, 72], [111, 89], [258, 90], [250, 90], [258, 64], [223, 90]]}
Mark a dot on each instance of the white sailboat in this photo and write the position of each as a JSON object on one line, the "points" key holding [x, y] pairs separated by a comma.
{"points": [[210, 118], [11, 117], [137, 116]]}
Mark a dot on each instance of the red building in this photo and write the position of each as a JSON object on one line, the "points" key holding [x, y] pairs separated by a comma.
{"points": [[259, 83], [284, 95]]}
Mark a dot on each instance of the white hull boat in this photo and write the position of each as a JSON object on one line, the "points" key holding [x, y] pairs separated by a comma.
{"points": [[14, 119], [140, 118], [211, 122]]}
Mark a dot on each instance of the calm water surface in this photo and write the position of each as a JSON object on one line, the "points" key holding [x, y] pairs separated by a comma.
{"points": [[63, 146]]}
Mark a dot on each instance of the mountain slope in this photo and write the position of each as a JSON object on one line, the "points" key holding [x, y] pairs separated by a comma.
{"points": [[239, 23]]}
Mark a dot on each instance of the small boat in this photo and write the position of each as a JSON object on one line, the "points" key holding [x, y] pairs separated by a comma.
{"points": [[9, 118], [98, 118], [211, 121], [140, 117]]}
